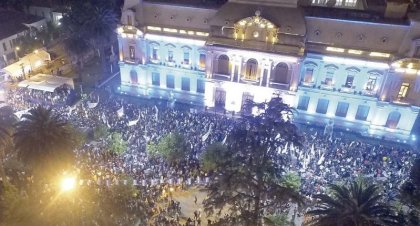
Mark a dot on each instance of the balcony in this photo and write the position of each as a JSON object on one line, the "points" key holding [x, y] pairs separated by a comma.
{"points": [[129, 60], [327, 86], [370, 93], [307, 84], [279, 85], [250, 81], [154, 61], [170, 63], [347, 89], [186, 65], [404, 101], [221, 77]]}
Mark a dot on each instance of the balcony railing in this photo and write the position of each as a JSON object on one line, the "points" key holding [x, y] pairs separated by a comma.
{"points": [[221, 77], [307, 84], [132, 60]]}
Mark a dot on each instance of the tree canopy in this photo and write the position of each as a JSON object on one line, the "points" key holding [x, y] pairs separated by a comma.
{"points": [[353, 204], [172, 147], [250, 182]]}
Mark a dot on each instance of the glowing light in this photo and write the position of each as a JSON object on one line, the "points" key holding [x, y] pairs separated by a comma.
{"points": [[334, 49], [170, 30], [356, 52], [120, 30], [202, 33], [151, 28], [378, 54], [68, 184], [355, 62], [183, 32], [38, 63], [17, 48], [190, 32], [259, 55], [124, 35], [411, 71], [410, 65], [242, 22], [400, 70], [36, 51], [160, 38]]}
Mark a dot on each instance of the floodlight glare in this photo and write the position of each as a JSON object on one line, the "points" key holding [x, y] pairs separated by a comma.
{"points": [[68, 183]]}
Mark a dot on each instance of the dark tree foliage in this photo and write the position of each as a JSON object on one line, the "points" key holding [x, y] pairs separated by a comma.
{"points": [[90, 25], [250, 181], [354, 204], [410, 194], [44, 141]]}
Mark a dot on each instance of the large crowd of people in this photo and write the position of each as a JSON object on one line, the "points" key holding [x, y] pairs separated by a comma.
{"points": [[321, 160]]}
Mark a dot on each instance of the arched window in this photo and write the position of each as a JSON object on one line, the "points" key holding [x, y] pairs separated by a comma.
{"points": [[223, 65], [393, 119], [251, 69], [133, 77], [280, 74]]}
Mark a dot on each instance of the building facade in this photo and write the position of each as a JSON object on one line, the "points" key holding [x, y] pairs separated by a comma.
{"points": [[362, 73]]}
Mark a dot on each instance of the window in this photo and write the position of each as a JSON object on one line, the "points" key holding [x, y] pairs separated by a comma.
{"points": [[129, 20], [322, 106], [132, 52], [280, 74], [371, 83], [342, 109], [403, 90], [393, 119], [251, 69], [4, 47], [223, 65], [202, 61], [201, 86], [11, 44], [154, 53], [155, 79], [349, 81], [362, 112], [417, 52], [170, 81], [186, 57], [170, 56], [329, 78], [185, 85], [133, 77], [303, 103], [309, 72]]}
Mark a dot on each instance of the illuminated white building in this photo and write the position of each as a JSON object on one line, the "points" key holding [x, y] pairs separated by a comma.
{"points": [[361, 72]]}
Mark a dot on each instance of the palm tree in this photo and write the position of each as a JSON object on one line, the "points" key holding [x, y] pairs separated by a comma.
{"points": [[355, 204], [43, 141]]}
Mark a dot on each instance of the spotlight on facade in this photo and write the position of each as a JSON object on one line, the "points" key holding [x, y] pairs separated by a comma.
{"points": [[413, 137]]}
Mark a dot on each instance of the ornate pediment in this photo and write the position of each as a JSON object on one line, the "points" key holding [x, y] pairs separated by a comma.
{"points": [[256, 28]]}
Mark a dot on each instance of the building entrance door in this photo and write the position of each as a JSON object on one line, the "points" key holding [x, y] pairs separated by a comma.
{"points": [[245, 107], [220, 98]]}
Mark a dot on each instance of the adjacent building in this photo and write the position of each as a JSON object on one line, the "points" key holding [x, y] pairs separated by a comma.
{"points": [[13, 25], [355, 63]]}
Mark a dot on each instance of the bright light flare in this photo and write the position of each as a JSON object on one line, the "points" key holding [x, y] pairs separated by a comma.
{"points": [[68, 184]]}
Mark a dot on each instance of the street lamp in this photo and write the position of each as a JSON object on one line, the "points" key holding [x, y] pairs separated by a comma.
{"points": [[68, 184]]}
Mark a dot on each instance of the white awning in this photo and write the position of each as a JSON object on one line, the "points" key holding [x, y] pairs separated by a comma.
{"points": [[46, 83]]}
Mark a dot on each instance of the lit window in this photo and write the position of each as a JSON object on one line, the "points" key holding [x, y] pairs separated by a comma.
{"points": [[309, 72], [403, 90], [202, 34], [155, 53], [349, 81], [356, 52], [170, 30], [202, 62], [170, 56], [129, 20], [334, 49], [132, 52], [329, 78], [371, 83], [154, 28], [186, 57], [377, 54]]}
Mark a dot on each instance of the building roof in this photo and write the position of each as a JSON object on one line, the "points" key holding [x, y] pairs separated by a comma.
{"points": [[194, 3], [289, 20], [13, 22]]}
